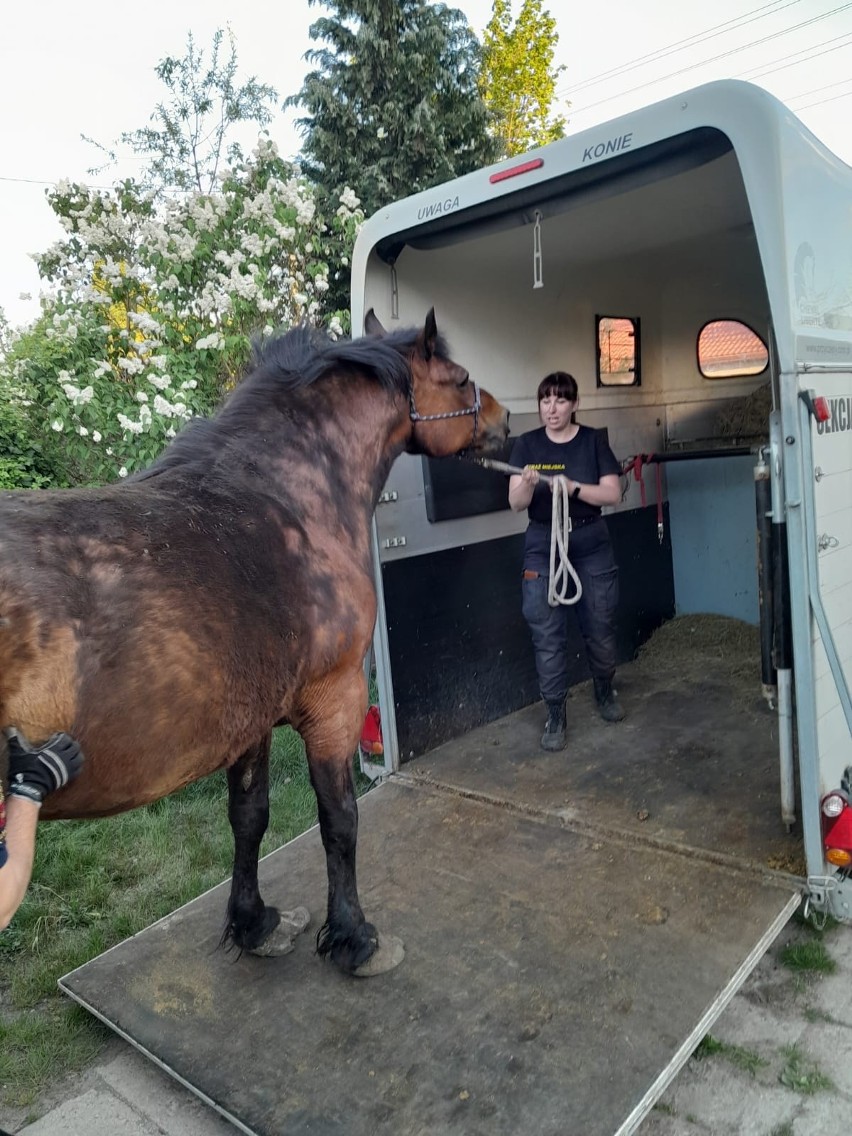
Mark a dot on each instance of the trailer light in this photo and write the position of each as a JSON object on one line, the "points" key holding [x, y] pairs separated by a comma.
{"points": [[833, 805], [822, 411], [514, 171], [837, 828]]}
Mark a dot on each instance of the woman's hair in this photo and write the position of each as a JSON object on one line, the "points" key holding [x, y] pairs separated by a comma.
{"points": [[561, 384]]}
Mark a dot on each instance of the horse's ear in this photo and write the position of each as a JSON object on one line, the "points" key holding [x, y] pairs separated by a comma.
{"points": [[372, 325], [430, 334]]}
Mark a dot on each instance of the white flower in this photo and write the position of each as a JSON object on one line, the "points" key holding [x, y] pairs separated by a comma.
{"points": [[96, 435], [129, 425], [380, 133], [122, 472], [216, 339], [161, 382], [71, 391], [57, 426], [82, 431], [349, 197], [189, 385], [162, 406], [25, 296], [141, 396]]}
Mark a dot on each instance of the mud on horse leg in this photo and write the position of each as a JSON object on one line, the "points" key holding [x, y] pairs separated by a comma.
{"points": [[252, 925]]}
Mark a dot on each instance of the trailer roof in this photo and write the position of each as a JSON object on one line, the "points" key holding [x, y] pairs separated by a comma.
{"points": [[797, 197]]}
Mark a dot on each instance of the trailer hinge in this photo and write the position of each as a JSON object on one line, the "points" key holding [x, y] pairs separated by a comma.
{"points": [[388, 496]]}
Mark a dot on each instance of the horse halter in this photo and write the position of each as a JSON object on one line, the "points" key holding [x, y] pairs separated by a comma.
{"points": [[415, 415]]}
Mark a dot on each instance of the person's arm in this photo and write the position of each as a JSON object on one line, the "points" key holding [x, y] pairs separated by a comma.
{"points": [[521, 488], [21, 822], [34, 771], [606, 492]]}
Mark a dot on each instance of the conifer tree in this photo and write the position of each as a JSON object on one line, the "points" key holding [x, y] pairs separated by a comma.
{"points": [[392, 106]]}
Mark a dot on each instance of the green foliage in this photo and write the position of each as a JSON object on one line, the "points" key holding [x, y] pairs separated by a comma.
{"points": [[801, 1074], [187, 140], [23, 461], [152, 306], [518, 79], [392, 106], [746, 1059], [810, 956], [150, 301]]}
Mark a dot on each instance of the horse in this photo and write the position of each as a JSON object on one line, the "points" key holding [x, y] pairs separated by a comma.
{"points": [[169, 621]]}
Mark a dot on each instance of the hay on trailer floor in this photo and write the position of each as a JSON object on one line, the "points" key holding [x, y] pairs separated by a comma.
{"points": [[680, 645]]}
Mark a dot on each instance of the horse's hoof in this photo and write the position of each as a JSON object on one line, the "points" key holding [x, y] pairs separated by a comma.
{"points": [[389, 953], [280, 940]]}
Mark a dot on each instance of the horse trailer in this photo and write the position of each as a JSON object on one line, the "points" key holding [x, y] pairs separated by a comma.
{"points": [[691, 264]]}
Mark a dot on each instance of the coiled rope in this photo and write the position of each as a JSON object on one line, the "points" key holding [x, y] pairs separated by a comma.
{"points": [[561, 568]]}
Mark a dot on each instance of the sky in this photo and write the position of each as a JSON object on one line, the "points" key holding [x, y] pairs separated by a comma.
{"points": [[88, 68]]}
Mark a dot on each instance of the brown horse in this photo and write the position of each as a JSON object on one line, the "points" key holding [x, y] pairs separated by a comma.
{"points": [[170, 621]]}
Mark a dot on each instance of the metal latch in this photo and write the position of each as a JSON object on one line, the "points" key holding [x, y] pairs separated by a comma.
{"points": [[388, 495], [394, 542]]}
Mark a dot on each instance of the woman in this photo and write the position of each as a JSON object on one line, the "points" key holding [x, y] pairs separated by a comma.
{"points": [[563, 448], [33, 773]]}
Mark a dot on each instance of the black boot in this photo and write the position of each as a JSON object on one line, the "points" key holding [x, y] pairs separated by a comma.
{"points": [[608, 705], [553, 738]]}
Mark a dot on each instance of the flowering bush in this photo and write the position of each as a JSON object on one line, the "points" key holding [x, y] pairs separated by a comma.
{"points": [[152, 302]]}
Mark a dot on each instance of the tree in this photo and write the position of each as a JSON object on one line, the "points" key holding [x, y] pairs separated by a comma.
{"points": [[189, 136], [518, 80], [150, 310], [393, 105]]}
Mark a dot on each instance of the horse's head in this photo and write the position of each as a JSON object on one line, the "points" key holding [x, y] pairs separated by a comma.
{"points": [[449, 413]]}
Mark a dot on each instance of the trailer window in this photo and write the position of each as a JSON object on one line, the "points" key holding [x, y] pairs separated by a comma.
{"points": [[729, 349], [618, 351]]}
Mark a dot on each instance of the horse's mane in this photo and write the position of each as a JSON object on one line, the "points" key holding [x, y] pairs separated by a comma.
{"points": [[285, 363]]}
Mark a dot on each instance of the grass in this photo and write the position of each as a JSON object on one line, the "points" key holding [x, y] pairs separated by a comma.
{"points": [[811, 957], [98, 882], [802, 1075], [745, 1059]]}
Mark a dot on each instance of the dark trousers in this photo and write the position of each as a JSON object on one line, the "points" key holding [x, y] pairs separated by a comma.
{"points": [[590, 552]]}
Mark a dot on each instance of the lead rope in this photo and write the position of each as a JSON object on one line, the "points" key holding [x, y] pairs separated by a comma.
{"points": [[561, 568]]}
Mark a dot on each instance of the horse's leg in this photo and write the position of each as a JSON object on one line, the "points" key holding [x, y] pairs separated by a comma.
{"points": [[330, 724], [252, 925]]}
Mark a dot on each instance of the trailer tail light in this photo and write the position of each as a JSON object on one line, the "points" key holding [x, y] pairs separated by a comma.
{"points": [[837, 828], [822, 411]]}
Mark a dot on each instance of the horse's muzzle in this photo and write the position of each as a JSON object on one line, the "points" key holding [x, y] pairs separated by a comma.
{"points": [[493, 429]]}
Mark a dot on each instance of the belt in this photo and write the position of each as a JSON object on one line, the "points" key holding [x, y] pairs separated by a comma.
{"points": [[576, 522]]}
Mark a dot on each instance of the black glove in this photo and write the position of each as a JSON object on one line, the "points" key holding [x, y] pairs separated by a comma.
{"points": [[35, 771]]}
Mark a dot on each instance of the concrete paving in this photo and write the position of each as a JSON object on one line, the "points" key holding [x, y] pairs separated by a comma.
{"points": [[782, 1067]]}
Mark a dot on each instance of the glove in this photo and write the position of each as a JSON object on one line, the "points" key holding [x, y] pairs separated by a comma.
{"points": [[35, 771]]}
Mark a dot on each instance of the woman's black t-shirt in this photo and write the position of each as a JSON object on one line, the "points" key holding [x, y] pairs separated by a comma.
{"points": [[586, 458]]}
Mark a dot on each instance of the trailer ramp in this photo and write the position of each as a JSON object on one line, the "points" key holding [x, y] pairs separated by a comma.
{"points": [[555, 980]]}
